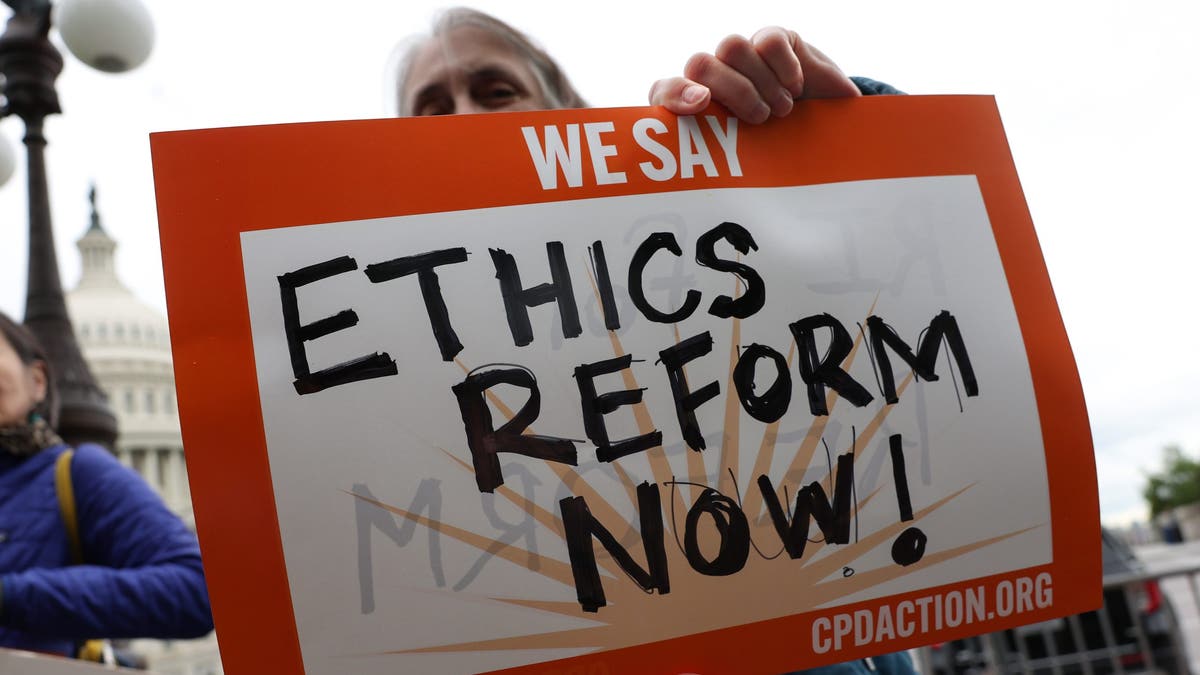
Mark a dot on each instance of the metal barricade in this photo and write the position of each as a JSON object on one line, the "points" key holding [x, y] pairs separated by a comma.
{"points": [[1150, 624]]}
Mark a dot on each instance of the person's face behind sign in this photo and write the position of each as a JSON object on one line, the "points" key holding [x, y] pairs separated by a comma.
{"points": [[470, 70], [22, 385]]}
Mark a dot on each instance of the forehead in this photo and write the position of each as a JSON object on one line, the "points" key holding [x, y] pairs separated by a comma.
{"points": [[459, 51], [6, 347]]}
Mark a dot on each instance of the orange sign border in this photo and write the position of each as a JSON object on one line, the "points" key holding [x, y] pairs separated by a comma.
{"points": [[212, 185]]}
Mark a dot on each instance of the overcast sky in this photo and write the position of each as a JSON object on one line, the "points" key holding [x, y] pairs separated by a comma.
{"points": [[1098, 99]]}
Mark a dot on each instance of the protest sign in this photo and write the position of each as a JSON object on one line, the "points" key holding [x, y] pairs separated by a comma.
{"points": [[30, 663], [612, 391]]}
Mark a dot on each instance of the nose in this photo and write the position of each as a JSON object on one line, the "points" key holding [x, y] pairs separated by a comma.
{"points": [[465, 104]]}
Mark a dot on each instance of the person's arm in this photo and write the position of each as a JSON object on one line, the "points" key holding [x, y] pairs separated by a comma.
{"points": [[870, 87], [758, 78], [142, 575]]}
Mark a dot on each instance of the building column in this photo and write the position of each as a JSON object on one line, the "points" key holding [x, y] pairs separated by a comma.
{"points": [[174, 474], [151, 469]]}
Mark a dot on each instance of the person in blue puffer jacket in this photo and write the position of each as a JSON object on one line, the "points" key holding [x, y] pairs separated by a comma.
{"points": [[140, 574]]}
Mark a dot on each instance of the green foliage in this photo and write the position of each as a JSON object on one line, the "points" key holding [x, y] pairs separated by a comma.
{"points": [[1176, 485]]}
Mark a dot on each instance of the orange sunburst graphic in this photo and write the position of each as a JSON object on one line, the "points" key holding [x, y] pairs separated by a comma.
{"points": [[633, 615]]}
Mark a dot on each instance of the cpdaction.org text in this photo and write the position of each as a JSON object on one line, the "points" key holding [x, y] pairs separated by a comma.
{"points": [[931, 613]]}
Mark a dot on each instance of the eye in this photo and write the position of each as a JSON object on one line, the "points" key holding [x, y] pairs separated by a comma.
{"points": [[496, 93], [433, 109], [432, 101], [436, 106]]}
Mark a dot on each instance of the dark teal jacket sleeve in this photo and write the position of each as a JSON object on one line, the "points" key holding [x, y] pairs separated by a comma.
{"points": [[870, 87]]}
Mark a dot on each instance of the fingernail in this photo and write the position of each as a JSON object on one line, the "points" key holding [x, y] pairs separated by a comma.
{"points": [[761, 112], [783, 102], [694, 93]]}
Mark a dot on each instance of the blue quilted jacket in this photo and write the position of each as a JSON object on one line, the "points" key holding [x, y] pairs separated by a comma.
{"points": [[142, 575]]}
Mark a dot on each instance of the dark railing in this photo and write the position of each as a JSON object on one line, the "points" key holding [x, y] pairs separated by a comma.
{"points": [[1164, 640]]}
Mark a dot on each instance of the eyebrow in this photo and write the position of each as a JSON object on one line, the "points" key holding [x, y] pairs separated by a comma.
{"points": [[489, 72]]}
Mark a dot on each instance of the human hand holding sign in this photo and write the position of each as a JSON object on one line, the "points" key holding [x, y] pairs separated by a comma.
{"points": [[755, 78]]}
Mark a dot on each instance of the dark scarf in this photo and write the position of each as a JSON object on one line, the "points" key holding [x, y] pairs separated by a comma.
{"points": [[29, 438]]}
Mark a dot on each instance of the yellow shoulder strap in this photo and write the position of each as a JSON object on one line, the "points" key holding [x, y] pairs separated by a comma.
{"points": [[99, 651], [66, 503]]}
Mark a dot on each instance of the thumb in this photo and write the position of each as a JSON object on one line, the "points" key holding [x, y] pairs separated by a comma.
{"points": [[682, 97]]}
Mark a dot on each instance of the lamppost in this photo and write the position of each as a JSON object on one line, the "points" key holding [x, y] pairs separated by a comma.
{"points": [[109, 35]]}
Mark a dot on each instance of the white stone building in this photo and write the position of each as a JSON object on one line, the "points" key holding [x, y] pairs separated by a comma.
{"points": [[127, 344]]}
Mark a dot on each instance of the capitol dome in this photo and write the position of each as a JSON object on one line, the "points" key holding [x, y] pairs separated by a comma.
{"points": [[127, 344]]}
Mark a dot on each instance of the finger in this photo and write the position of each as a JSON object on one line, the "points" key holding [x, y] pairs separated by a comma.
{"points": [[774, 46], [680, 95], [740, 54], [822, 77], [819, 76], [729, 87]]}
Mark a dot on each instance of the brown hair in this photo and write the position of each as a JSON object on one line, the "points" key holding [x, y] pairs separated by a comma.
{"points": [[556, 88], [30, 351]]}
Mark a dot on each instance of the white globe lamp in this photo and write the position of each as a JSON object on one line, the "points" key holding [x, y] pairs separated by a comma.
{"points": [[109, 35]]}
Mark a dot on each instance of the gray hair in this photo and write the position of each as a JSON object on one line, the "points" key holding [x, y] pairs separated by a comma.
{"points": [[556, 89]]}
